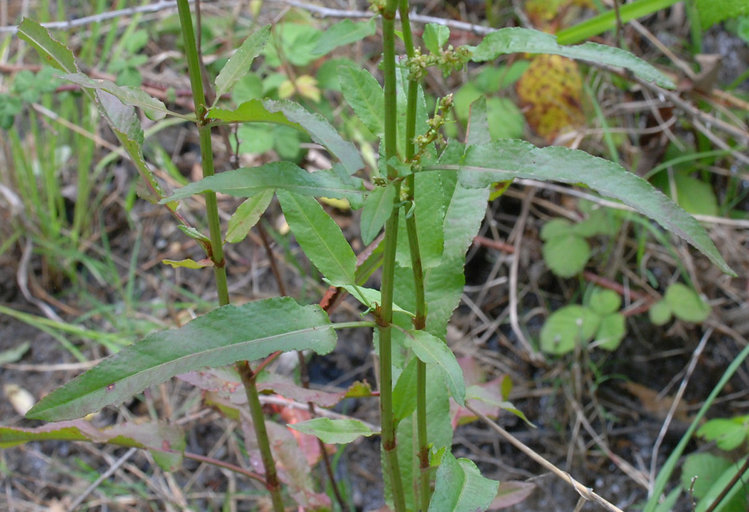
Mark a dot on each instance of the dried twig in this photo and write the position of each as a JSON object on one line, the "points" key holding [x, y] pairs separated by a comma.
{"points": [[96, 18], [585, 492], [677, 400]]}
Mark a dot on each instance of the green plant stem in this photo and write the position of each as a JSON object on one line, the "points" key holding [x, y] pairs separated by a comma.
{"points": [[217, 253], [258, 424], [385, 315], [206, 150], [419, 321]]}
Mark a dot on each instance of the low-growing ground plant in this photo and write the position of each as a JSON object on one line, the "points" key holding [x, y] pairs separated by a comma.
{"points": [[425, 193]]}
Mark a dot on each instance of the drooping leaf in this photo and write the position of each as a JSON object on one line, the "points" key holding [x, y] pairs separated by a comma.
{"points": [[364, 94], [165, 442], [121, 118], [53, 51], [334, 431], [686, 304], [377, 208], [223, 336], [567, 327], [432, 350], [153, 107], [246, 182], [247, 215], [525, 40], [320, 237], [343, 33], [460, 487], [239, 63], [504, 160]]}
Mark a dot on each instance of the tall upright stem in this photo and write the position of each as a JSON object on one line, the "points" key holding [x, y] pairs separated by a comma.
{"points": [[419, 321], [385, 316], [217, 251]]}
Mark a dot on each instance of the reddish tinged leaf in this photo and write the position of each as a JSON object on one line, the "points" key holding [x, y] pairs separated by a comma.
{"points": [[491, 390], [291, 463], [225, 383], [511, 493], [165, 442]]}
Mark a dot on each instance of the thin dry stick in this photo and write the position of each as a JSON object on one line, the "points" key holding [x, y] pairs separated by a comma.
{"points": [[585, 492], [672, 410], [326, 12], [87, 20], [514, 266]]}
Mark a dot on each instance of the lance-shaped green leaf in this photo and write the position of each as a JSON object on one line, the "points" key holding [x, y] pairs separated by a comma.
{"points": [[525, 40], [334, 431], [251, 111], [247, 215], [292, 114], [364, 94], [368, 296], [53, 51], [165, 442], [153, 107], [460, 487], [321, 132], [246, 182], [239, 63], [223, 336], [430, 349], [377, 209], [506, 159], [343, 33], [320, 237]]}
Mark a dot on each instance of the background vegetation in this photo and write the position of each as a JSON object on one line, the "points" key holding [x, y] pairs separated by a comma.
{"points": [[83, 274]]}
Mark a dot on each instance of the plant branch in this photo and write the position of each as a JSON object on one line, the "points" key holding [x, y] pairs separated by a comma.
{"points": [[385, 313], [243, 367], [419, 321]]}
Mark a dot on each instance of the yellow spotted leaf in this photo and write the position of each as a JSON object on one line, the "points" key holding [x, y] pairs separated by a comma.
{"points": [[550, 94]]}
